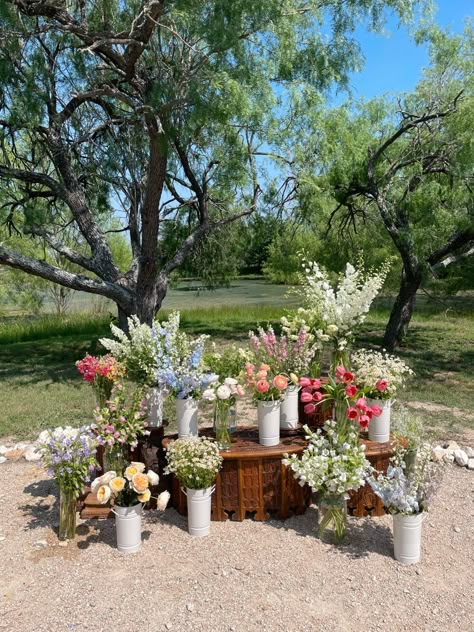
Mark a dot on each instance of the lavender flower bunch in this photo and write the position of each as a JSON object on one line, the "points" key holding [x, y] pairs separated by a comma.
{"points": [[69, 454]]}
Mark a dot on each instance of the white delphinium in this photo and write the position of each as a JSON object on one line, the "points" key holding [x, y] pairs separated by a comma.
{"points": [[379, 373]]}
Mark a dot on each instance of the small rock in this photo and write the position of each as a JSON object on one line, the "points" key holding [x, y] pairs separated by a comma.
{"points": [[14, 455], [451, 446], [3, 449], [189, 607], [62, 543], [461, 458], [449, 457], [168, 626], [418, 571], [2, 537], [457, 529], [438, 453], [3, 459], [40, 544], [468, 451], [470, 464], [32, 455]]}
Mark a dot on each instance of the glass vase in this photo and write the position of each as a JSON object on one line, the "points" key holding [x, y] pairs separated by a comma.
{"points": [[343, 424], [67, 514], [115, 458], [332, 513], [314, 370], [222, 423], [340, 357], [103, 391]]}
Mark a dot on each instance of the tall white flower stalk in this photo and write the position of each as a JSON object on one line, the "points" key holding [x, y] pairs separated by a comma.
{"points": [[340, 310]]}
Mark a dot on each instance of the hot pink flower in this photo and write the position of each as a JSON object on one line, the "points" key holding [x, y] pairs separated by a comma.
{"points": [[280, 382], [352, 413], [316, 383], [381, 385], [305, 381], [361, 404], [369, 413], [307, 389], [317, 396], [306, 397], [340, 370], [309, 409], [376, 410], [364, 421], [351, 390], [262, 386], [347, 377]]}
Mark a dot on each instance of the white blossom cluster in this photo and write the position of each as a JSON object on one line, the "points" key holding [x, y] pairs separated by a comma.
{"points": [[339, 310], [329, 466], [195, 461], [371, 367]]}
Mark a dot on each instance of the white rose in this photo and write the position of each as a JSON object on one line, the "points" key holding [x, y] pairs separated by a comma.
{"points": [[223, 392], [162, 501], [137, 464], [230, 381], [153, 477], [103, 480], [209, 395], [103, 494]]}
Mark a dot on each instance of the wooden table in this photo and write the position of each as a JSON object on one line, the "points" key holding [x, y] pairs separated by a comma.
{"points": [[253, 480]]}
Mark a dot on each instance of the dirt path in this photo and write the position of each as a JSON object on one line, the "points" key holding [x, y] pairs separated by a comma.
{"points": [[244, 577]]}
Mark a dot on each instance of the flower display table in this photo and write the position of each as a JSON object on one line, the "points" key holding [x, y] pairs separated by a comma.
{"points": [[253, 480]]}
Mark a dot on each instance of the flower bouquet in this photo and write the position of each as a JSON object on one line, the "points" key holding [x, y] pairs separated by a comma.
{"points": [[102, 372], [268, 391], [70, 456], [224, 395], [381, 376], [332, 468], [118, 426], [407, 495], [195, 462], [129, 492]]}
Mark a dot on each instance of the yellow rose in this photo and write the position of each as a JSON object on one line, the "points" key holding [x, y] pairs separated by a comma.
{"points": [[145, 497], [117, 484], [103, 494], [130, 472], [140, 466], [140, 483]]}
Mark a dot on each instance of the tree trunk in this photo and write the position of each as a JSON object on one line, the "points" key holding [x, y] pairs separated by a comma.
{"points": [[402, 310], [122, 316]]}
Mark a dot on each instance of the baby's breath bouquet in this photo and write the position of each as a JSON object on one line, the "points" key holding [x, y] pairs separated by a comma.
{"points": [[378, 373], [195, 461]]}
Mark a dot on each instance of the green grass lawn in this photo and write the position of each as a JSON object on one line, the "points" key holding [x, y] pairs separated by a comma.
{"points": [[40, 386]]}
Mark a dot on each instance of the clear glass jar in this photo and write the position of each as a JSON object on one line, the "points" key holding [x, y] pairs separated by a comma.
{"points": [[222, 423], [115, 458], [332, 513], [340, 357], [67, 514]]}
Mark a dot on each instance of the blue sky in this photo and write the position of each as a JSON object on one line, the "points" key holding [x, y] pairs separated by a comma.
{"points": [[393, 61]]}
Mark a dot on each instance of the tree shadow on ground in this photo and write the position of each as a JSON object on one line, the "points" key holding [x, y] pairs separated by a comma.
{"points": [[94, 531], [44, 512]]}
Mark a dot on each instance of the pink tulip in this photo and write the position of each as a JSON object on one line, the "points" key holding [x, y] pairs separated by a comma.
{"points": [[351, 390], [309, 409], [305, 381], [376, 410], [317, 396], [340, 370], [315, 384], [306, 397], [381, 385], [352, 413], [347, 377], [364, 421], [361, 404]]}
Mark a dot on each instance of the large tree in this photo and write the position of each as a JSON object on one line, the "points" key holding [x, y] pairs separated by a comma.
{"points": [[407, 164], [145, 110]]}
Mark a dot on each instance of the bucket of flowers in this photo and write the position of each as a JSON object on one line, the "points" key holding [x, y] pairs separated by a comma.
{"points": [[268, 390], [129, 491], [224, 397], [381, 376]]}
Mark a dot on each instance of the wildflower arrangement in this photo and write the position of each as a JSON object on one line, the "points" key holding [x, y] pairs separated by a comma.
{"points": [[264, 385], [195, 461], [408, 492], [341, 309], [308, 359], [285, 353], [129, 488], [69, 454], [137, 351], [102, 373], [226, 363], [328, 465], [408, 428], [380, 374], [120, 422], [348, 399]]}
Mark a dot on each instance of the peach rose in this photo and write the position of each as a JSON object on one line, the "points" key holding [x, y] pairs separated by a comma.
{"points": [[145, 497], [140, 466], [130, 472], [102, 480], [117, 484], [140, 482], [103, 494]]}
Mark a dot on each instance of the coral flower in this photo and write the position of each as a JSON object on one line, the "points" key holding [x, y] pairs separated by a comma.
{"points": [[347, 377], [316, 383], [264, 367], [351, 390], [352, 413], [145, 497], [117, 484], [140, 483], [262, 386], [305, 381], [309, 409], [280, 382], [381, 385], [306, 397], [317, 396], [261, 375], [376, 410], [103, 494]]}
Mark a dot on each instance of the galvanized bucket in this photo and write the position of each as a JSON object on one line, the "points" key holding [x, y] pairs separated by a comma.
{"points": [[379, 427], [268, 422], [199, 511], [407, 537], [128, 525], [289, 408], [187, 417]]}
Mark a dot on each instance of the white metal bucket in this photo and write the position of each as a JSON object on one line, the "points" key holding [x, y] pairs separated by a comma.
{"points": [[268, 422], [289, 408], [187, 417], [128, 525], [155, 407], [379, 427], [199, 511], [407, 537]]}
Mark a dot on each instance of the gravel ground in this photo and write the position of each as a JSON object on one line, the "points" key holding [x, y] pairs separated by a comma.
{"points": [[245, 576]]}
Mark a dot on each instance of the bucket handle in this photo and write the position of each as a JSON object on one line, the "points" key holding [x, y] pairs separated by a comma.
{"points": [[213, 488]]}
